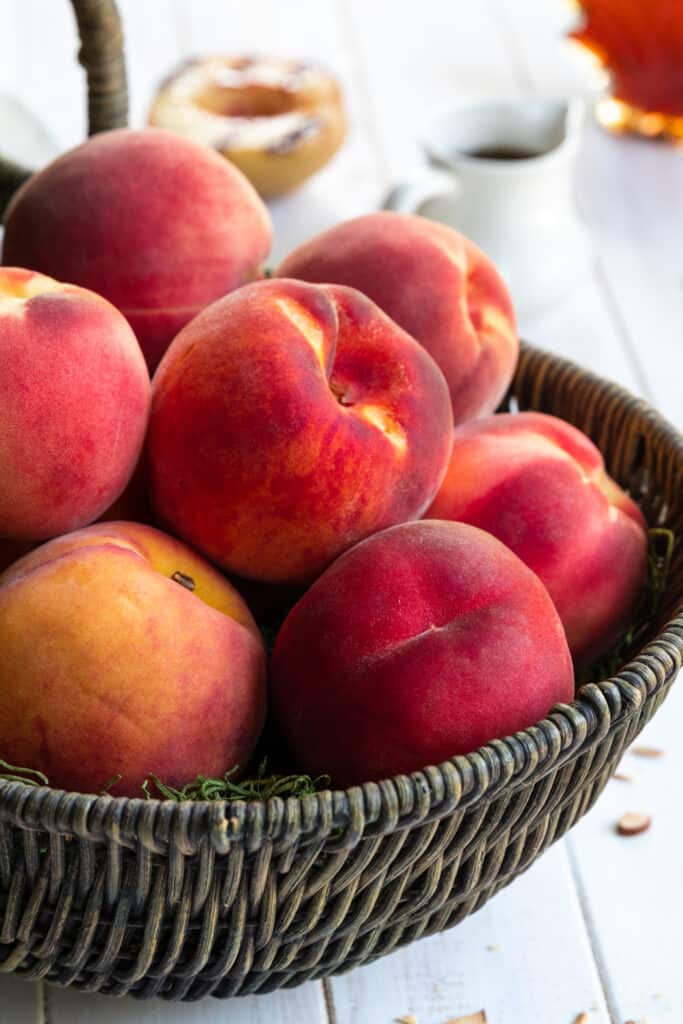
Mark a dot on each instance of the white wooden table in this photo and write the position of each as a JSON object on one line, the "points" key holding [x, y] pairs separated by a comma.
{"points": [[596, 926]]}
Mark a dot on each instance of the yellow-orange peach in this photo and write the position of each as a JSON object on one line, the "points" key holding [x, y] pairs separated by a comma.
{"points": [[123, 651], [422, 642], [157, 224], [540, 486], [74, 401], [437, 285], [290, 420]]}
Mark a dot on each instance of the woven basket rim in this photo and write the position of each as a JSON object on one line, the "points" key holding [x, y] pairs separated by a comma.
{"points": [[402, 800]]}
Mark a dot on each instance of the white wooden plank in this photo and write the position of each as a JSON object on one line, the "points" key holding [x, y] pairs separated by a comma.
{"points": [[38, 55], [294, 1006], [9, 57], [50, 80], [580, 328], [23, 136], [535, 36], [649, 300], [524, 958], [416, 57], [21, 1002], [152, 46], [634, 886], [632, 193], [262, 27]]}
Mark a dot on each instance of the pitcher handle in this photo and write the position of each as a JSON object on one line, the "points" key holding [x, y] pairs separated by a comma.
{"points": [[410, 196]]}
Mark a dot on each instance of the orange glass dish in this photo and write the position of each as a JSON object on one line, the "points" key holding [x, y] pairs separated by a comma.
{"points": [[640, 45]]}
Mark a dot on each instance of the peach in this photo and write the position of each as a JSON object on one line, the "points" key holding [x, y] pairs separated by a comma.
{"points": [[422, 642], [157, 224], [74, 402], [124, 651], [290, 420], [437, 285], [539, 485]]}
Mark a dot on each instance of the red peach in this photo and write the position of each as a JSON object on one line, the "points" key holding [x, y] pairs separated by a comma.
{"points": [[74, 400], [289, 421], [124, 651], [420, 643], [157, 224], [539, 485], [437, 285]]}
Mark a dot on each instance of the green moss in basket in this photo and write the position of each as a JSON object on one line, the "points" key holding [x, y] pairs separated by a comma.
{"points": [[261, 785], [661, 545], [29, 776]]}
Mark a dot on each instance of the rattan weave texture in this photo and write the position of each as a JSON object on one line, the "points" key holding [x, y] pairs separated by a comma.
{"points": [[185, 900]]}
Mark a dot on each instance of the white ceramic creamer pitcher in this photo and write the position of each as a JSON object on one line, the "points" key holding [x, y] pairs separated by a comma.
{"points": [[501, 171]]}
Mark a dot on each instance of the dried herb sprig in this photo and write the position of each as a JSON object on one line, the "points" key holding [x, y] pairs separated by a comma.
{"points": [[259, 786], [29, 776]]}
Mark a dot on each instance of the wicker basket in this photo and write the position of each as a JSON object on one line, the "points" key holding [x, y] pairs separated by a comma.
{"points": [[186, 900]]}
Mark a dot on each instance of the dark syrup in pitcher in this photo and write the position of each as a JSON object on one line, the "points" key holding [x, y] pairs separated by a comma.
{"points": [[503, 153]]}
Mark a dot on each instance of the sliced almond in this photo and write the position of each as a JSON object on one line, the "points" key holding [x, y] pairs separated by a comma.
{"points": [[407, 1018], [633, 823], [581, 1019], [647, 751], [623, 777], [471, 1018]]}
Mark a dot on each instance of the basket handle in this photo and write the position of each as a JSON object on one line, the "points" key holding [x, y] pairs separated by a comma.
{"points": [[101, 55]]}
